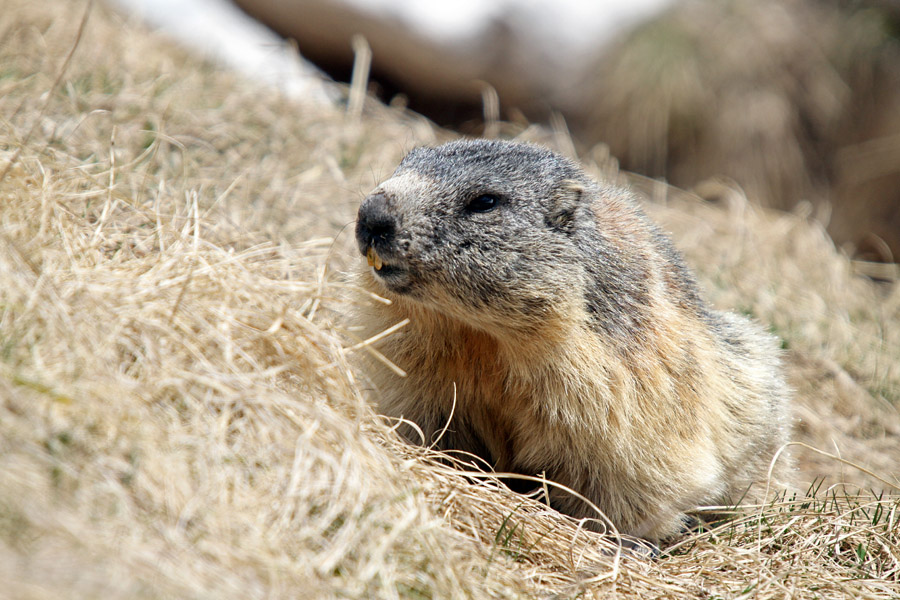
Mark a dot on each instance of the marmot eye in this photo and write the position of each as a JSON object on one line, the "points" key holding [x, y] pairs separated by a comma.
{"points": [[483, 203]]}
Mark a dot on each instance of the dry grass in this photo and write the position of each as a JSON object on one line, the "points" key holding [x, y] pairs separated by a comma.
{"points": [[795, 99], [178, 417]]}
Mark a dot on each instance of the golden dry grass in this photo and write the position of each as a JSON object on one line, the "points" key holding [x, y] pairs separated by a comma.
{"points": [[178, 417]]}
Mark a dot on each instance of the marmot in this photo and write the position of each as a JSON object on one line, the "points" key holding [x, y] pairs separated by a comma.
{"points": [[568, 333]]}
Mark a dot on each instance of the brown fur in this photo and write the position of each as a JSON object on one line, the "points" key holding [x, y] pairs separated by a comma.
{"points": [[655, 407]]}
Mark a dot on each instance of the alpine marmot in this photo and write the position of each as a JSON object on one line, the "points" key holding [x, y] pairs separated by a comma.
{"points": [[566, 335]]}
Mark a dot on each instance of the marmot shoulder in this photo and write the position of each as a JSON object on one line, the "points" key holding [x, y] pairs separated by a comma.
{"points": [[564, 332]]}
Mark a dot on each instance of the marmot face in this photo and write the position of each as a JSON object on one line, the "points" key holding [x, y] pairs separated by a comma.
{"points": [[474, 232]]}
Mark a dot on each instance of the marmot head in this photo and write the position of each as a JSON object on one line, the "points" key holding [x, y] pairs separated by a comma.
{"points": [[484, 231]]}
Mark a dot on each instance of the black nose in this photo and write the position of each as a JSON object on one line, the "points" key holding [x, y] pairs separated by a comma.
{"points": [[375, 225]]}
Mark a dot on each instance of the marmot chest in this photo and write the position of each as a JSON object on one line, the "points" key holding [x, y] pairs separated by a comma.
{"points": [[497, 412]]}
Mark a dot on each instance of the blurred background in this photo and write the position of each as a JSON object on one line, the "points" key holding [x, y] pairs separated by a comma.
{"points": [[796, 103]]}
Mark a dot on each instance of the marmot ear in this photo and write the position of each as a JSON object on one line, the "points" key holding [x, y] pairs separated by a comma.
{"points": [[564, 203]]}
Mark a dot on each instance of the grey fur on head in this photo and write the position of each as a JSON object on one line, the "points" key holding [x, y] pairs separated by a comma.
{"points": [[574, 336]]}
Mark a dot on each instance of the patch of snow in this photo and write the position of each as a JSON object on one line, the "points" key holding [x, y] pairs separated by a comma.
{"points": [[221, 31], [562, 27]]}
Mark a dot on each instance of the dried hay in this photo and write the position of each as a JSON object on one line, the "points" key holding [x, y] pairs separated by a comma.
{"points": [[178, 416]]}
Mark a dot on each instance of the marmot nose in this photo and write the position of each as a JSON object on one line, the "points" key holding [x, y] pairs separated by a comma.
{"points": [[374, 224]]}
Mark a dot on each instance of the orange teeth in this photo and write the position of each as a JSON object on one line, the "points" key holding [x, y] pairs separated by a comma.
{"points": [[373, 259]]}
